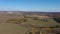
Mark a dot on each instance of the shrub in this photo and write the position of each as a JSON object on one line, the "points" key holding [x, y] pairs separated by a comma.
{"points": [[16, 21], [23, 20]]}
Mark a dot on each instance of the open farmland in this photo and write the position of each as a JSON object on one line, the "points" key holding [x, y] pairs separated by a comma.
{"points": [[25, 23], [5, 17], [12, 29]]}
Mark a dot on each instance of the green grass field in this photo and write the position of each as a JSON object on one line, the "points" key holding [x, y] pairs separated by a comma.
{"points": [[49, 23]]}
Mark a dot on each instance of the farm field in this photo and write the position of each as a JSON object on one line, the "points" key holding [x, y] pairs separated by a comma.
{"points": [[23, 24], [12, 29]]}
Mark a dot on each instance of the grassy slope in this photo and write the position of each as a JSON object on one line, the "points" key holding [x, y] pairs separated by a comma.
{"points": [[50, 23], [12, 29], [16, 29]]}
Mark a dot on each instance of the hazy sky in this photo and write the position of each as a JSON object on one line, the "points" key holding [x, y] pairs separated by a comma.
{"points": [[30, 5]]}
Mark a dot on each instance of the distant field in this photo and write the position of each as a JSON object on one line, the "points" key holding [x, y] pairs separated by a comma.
{"points": [[5, 17], [49, 23], [10, 28]]}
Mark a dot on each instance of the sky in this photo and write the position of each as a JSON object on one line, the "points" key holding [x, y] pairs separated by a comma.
{"points": [[30, 5]]}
